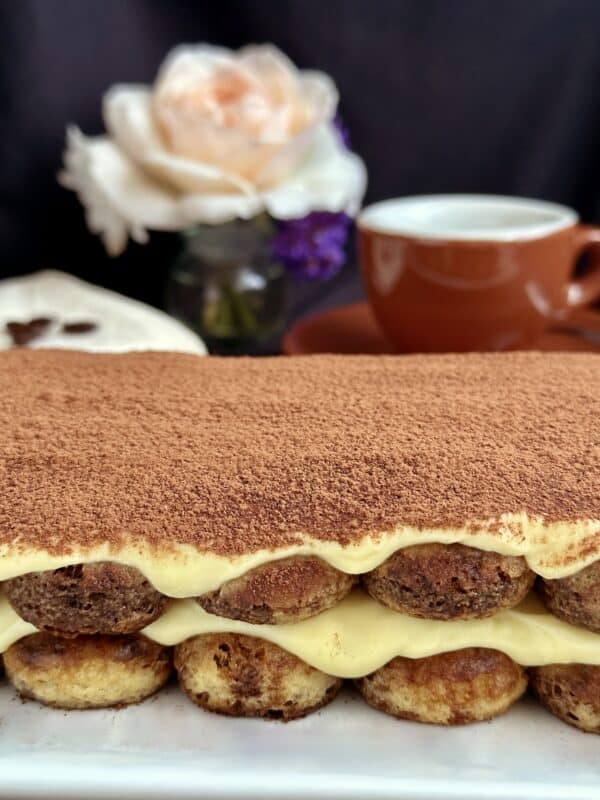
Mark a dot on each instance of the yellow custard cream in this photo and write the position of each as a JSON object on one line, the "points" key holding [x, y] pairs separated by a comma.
{"points": [[552, 550], [12, 627], [360, 635]]}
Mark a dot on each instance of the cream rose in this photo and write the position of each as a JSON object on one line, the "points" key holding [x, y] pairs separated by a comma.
{"points": [[220, 135]]}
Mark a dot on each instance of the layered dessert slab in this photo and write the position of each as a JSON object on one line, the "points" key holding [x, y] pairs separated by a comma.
{"points": [[426, 527]]}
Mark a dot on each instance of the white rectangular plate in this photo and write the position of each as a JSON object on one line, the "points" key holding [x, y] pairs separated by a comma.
{"points": [[167, 748]]}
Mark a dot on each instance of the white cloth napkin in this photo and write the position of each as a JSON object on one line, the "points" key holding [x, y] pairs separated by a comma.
{"points": [[122, 324]]}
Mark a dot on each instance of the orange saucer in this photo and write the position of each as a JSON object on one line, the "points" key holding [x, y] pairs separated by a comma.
{"points": [[353, 329]]}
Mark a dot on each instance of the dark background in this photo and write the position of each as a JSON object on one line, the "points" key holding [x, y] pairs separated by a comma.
{"points": [[440, 95]]}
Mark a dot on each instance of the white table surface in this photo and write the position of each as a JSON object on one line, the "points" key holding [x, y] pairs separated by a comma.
{"points": [[168, 748]]}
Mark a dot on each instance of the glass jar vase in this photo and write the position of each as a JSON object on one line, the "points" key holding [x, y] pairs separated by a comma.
{"points": [[227, 287]]}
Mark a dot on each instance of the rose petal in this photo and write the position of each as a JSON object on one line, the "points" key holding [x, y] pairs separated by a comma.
{"points": [[192, 176], [286, 158], [320, 92], [309, 97], [330, 178], [324, 97], [128, 118], [272, 65], [219, 147], [214, 209], [285, 81], [119, 199], [198, 58]]}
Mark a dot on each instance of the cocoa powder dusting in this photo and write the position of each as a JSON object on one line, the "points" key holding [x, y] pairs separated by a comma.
{"points": [[233, 455]]}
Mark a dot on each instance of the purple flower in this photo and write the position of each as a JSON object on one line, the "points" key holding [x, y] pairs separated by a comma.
{"points": [[313, 248]]}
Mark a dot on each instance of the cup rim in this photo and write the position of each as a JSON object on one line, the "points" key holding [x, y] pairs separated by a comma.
{"points": [[562, 217]]}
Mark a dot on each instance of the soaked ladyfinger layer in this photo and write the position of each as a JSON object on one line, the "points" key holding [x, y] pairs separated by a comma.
{"points": [[87, 671], [243, 675]]}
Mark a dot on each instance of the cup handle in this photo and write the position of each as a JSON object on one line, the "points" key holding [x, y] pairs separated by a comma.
{"points": [[583, 291]]}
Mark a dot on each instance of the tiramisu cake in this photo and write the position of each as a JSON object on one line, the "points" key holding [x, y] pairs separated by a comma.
{"points": [[426, 526]]}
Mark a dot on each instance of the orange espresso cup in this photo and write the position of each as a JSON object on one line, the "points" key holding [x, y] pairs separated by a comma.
{"points": [[473, 272]]}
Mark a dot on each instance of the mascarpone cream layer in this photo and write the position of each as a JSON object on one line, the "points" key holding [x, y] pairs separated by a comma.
{"points": [[360, 635], [552, 550]]}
